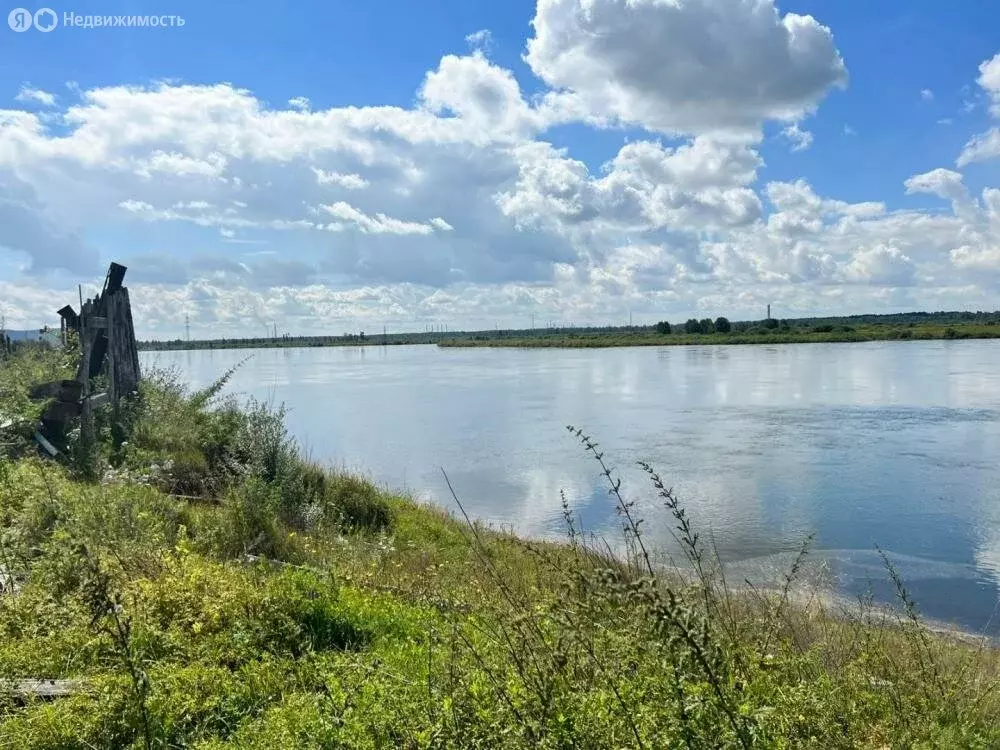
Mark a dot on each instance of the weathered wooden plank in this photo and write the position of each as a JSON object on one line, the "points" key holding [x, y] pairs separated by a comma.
{"points": [[113, 312], [46, 445], [41, 688], [62, 411], [72, 390], [45, 390], [64, 390], [122, 349], [70, 320], [98, 346], [116, 274]]}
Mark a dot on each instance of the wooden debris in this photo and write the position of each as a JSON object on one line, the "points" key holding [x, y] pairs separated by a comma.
{"points": [[196, 499], [62, 411], [40, 688], [46, 445], [46, 390], [107, 338], [9, 585]]}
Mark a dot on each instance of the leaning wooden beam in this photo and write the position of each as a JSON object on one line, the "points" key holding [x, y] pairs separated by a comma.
{"points": [[98, 400], [46, 445], [281, 564], [40, 688]]}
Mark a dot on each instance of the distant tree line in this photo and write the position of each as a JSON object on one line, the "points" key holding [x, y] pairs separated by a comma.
{"points": [[845, 324], [693, 325]]}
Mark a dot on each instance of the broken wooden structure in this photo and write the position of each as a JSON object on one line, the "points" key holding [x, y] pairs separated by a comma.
{"points": [[109, 351]]}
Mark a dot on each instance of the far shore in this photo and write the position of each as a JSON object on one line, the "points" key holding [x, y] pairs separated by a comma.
{"points": [[776, 336], [918, 326]]}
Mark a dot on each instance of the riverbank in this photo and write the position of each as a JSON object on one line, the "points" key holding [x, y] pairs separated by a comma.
{"points": [[898, 326], [210, 588], [759, 335]]}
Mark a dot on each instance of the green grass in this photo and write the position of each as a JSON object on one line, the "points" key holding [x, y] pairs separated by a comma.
{"points": [[295, 607], [754, 335]]}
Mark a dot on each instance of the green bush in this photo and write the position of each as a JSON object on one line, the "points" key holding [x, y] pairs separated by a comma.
{"points": [[358, 504]]}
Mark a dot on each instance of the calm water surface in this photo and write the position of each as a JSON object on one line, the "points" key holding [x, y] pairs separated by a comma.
{"points": [[894, 444]]}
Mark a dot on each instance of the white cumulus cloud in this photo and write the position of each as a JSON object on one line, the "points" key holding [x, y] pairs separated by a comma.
{"points": [[986, 145], [29, 94], [685, 67]]}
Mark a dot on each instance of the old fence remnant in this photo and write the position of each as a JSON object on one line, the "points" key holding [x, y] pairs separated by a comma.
{"points": [[109, 351]]}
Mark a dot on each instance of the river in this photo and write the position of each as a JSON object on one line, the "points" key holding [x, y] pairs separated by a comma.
{"points": [[892, 444]]}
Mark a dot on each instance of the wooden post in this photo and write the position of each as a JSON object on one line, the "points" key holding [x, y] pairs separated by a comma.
{"points": [[88, 334], [112, 352], [122, 351]]}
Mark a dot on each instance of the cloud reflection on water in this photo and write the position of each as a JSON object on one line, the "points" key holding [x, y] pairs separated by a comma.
{"points": [[888, 443]]}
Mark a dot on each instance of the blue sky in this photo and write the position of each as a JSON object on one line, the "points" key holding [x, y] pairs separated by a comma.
{"points": [[579, 203]]}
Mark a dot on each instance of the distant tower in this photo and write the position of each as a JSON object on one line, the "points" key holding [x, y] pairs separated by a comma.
{"points": [[187, 326], [768, 312]]}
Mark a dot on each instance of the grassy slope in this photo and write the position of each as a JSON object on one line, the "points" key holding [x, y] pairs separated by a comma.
{"points": [[776, 336], [375, 622]]}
